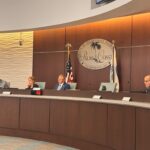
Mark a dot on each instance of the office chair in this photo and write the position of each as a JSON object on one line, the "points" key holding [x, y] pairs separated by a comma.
{"points": [[41, 85], [73, 85]]}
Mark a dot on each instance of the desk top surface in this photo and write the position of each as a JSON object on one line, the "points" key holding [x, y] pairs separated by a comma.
{"points": [[141, 104]]}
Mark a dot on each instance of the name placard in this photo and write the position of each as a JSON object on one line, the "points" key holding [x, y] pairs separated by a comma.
{"points": [[127, 99], [6, 92], [36, 89], [97, 96]]}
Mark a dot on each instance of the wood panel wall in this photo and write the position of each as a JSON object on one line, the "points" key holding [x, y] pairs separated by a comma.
{"points": [[132, 37]]}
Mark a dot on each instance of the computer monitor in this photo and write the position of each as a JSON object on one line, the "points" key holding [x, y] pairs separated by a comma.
{"points": [[4, 84], [103, 1]]}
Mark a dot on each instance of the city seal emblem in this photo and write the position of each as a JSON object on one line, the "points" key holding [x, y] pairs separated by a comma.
{"points": [[95, 54]]}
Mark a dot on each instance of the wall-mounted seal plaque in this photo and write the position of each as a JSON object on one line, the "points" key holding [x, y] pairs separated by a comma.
{"points": [[95, 54]]}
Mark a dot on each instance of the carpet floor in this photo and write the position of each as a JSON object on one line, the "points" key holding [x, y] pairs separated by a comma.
{"points": [[15, 143]]}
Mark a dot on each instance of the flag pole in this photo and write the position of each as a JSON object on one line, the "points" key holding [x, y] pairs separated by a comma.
{"points": [[113, 45], [68, 45]]}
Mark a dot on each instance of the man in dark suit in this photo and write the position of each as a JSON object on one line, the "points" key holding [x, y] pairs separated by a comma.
{"points": [[147, 83], [61, 85]]}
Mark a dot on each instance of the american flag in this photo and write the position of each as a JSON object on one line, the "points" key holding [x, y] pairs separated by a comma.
{"points": [[69, 72]]}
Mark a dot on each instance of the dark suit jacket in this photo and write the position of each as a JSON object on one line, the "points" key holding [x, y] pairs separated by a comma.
{"points": [[147, 90], [65, 86]]}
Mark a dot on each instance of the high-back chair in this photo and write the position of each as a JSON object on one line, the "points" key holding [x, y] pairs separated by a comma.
{"points": [[41, 85], [73, 85], [107, 86]]}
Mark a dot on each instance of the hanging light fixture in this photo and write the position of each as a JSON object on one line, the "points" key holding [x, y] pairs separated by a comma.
{"points": [[20, 39]]}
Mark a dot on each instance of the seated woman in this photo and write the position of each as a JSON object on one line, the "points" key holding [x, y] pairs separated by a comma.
{"points": [[31, 83], [61, 85]]}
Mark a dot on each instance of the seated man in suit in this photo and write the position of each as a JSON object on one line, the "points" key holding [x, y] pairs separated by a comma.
{"points": [[31, 83], [147, 83], [61, 85]]}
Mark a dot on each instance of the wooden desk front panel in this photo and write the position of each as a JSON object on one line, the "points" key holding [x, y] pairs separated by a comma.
{"points": [[121, 127], [142, 129], [81, 120], [34, 114], [64, 118], [9, 112], [77, 123]]}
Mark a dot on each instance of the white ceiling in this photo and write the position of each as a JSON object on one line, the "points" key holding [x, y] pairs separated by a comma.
{"points": [[32, 14]]}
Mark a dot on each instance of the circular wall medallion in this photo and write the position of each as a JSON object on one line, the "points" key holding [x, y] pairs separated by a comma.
{"points": [[95, 54]]}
